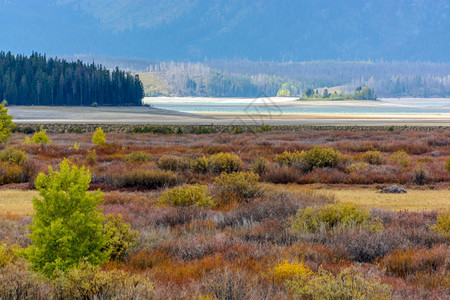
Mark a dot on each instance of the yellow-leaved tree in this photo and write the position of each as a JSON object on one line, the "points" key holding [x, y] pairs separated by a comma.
{"points": [[99, 136]]}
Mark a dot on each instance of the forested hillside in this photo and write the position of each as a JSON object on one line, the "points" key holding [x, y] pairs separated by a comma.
{"points": [[36, 80], [243, 78]]}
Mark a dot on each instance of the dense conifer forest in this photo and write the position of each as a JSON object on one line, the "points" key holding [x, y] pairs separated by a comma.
{"points": [[38, 80]]}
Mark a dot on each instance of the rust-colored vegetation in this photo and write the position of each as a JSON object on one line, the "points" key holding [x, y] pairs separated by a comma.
{"points": [[216, 220]]}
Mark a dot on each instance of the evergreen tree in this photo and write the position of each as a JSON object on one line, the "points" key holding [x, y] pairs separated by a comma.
{"points": [[67, 224], [6, 123], [36, 80]]}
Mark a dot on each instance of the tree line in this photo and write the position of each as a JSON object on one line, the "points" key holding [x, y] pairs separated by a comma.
{"points": [[38, 80], [244, 78]]}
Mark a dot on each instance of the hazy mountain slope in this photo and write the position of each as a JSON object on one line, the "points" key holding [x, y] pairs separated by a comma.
{"points": [[255, 29]]}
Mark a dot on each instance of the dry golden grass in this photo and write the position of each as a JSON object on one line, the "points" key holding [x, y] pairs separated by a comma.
{"points": [[16, 202], [414, 200]]}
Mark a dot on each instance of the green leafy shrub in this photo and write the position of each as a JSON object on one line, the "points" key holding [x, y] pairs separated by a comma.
{"points": [[7, 255], [224, 162], [138, 157], [200, 165], [99, 137], [401, 158], [319, 157], [67, 223], [333, 216], [13, 156], [442, 223], [447, 164], [217, 163], [174, 163], [348, 284], [122, 238], [288, 158], [6, 123], [186, 196], [39, 137], [373, 157], [239, 186], [88, 282]]}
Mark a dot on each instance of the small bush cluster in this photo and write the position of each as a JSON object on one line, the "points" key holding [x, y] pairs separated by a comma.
{"points": [[122, 239], [186, 196], [442, 224], [333, 216], [320, 157], [285, 271], [217, 163], [288, 158], [91, 157], [238, 186], [357, 167], [138, 157], [316, 157], [16, 282], [39, 137], [11, 173], [410, 261], [420, 175], [7, 255], [373, 157], [153, 129], [87, 282], [150, 179], [174, 163], [224, 162], [348, 284], [401, 158], [259, 166], [11, 156]]}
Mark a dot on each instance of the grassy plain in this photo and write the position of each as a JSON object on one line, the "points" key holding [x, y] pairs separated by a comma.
{"points": [[414, 200], [16, 202]]}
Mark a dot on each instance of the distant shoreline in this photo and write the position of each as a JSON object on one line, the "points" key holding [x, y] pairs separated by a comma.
{"points": [[142, 115]]}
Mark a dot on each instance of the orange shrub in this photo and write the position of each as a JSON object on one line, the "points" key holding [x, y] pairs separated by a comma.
{"points": [[406, 262]]}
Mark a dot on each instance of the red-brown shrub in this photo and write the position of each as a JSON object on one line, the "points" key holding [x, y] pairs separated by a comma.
{"points": [[410, 261]]}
